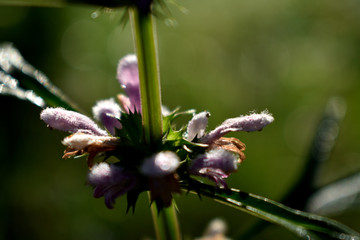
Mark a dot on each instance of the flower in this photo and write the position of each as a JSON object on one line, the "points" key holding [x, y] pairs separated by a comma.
{"points": [[222, 154], [70, 121], [247, 123], [137, 166], [217, 164], [80, 143], [160, 164], [108, 112], [160, 169], [128, 76], [87, 137], [197, 125], [110, 181]]}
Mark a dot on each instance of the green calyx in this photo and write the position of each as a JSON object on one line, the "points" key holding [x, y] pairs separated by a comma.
{"points": [[132, 150]]}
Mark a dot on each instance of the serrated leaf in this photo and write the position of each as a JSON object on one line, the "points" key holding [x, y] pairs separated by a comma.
{"points": [[304, 225]]}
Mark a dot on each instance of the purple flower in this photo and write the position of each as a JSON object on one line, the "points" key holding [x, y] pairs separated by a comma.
{"points": [[160, 164], [108, 112], [110, 181], [160, 169], [70, 121], [248, 123], [128, 76], [87, 138], [125, 103], [197, 126], [223, 154], [216, 165]]}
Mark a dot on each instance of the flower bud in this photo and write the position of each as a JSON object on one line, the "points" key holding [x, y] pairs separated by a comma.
{"points": [[197, 125], [70, 121], [249, 123], [110, 181], [160, 164], [216, 165], [81, 143], [80, 140], [128, 76], [108, 113]]}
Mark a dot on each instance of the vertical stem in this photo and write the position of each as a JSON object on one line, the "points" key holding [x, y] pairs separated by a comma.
{"points": [[145, 44], [165, 222], [170, 223]]}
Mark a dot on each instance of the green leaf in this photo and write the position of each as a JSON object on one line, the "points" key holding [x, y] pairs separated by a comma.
{"points": [[168, 120], [18, 78], [304, 225], [319, 153]]}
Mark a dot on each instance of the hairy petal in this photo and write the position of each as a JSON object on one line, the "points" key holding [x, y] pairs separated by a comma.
{"points": [[217, 164], [197, 125], [128, 76], [81, 140], [108, 112], [248, 123], [215, 175], [110, 181], [125, 103], [217, 159], [70, 121], [160, 164], [81, 143]]}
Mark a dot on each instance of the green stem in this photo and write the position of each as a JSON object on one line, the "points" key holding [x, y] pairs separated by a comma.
{"points": [[143, 30], [165, 221]]}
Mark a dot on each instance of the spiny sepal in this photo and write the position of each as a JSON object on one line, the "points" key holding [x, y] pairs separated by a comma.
{"points": [[132, 197], [131, 132]]}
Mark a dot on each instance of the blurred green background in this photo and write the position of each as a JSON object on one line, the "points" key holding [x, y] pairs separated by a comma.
{"points": [[227, 57]]}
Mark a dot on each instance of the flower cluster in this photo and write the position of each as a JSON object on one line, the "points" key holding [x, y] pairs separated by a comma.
{"points": [[190, 151]]}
